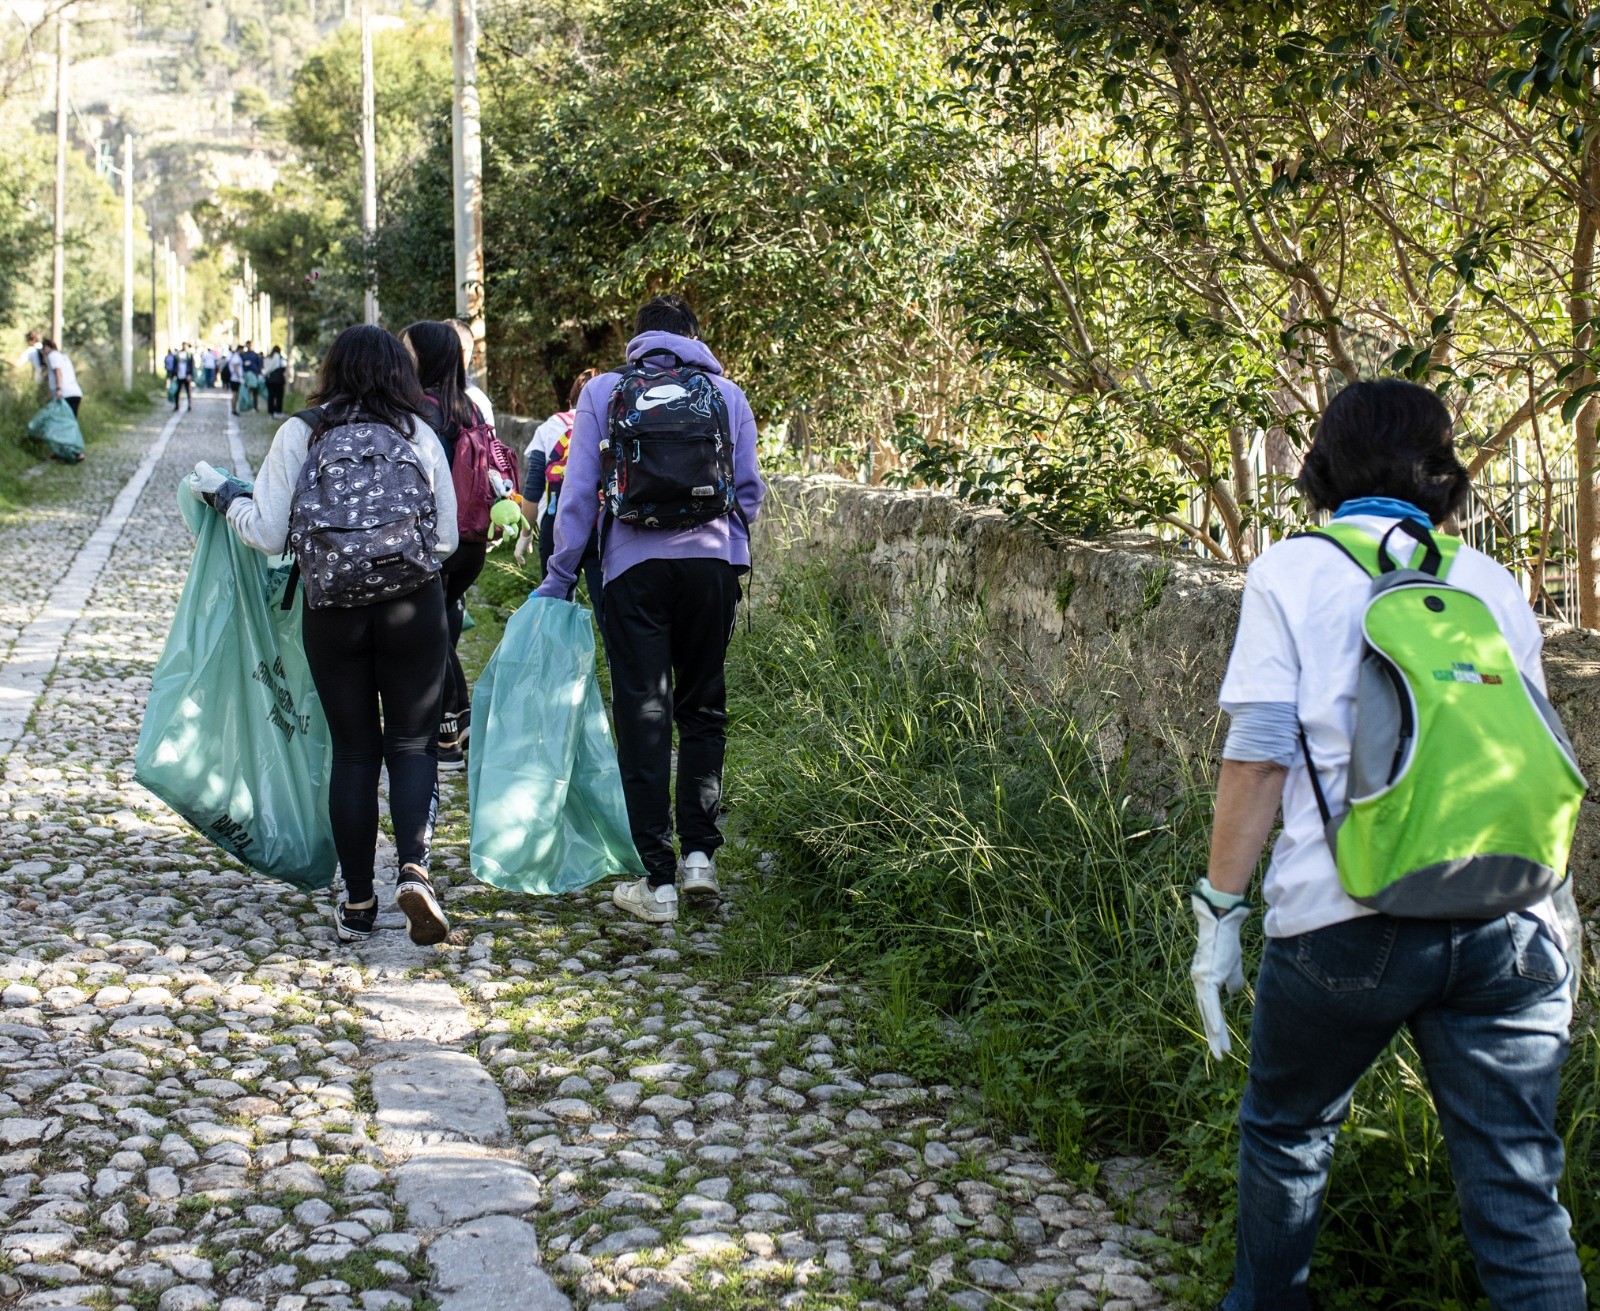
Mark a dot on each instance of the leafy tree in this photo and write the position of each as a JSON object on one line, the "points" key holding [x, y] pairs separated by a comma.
{"points": [[805, 194]]}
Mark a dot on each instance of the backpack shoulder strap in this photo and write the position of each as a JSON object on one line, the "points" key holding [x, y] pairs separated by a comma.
{"points": [[318, 420], [1433, 552]]}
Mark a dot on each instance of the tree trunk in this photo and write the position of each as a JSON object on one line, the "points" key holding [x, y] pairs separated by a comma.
{"points": [[288, 337]]}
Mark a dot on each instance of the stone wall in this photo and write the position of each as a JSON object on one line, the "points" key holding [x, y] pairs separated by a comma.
{"points": [[1132, 633]]}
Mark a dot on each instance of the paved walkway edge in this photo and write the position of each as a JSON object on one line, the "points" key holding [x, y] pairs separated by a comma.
{"points": [[33, 656]]}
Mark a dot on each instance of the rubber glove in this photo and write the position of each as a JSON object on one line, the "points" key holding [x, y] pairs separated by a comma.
{"points": [[520, 550], [206, 482], [1218, 958]]}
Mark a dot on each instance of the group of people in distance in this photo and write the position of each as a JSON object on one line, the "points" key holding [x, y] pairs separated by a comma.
{"points": [[241, 369], [1486, 991]]}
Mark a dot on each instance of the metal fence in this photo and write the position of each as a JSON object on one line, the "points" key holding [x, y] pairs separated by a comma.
{"points": [[1522, 511]]}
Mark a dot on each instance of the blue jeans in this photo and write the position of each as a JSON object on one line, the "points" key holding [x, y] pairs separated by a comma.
{"points": [[1488, 1006]]}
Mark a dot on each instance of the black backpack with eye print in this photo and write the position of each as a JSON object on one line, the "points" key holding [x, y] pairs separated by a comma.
{"points": [[363, 523]]}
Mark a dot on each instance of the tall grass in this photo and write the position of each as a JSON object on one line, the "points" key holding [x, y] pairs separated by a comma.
{"points": [[106, 408], [944, 834]]}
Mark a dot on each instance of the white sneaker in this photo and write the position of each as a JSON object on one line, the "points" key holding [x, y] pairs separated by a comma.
{"points": [[653, 905], [697, 875]]}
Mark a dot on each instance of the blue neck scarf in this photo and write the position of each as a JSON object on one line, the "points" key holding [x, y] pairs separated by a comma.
{"points": [[1383, 507]]}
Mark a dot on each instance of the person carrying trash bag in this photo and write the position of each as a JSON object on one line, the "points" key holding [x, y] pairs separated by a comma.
{"points": [[357, 487], [671, 444], [233, 737], [1385, 686]]}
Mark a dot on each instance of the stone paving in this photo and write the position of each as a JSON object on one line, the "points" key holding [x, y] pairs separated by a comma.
{"points": [[206, 1102]]}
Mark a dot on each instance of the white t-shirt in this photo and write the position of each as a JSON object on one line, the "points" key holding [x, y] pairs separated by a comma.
{"points": [[1300, 641], [476, 396], [208, 359], [69, 378]]}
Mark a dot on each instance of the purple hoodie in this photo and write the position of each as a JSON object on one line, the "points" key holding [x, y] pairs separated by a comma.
{"points": [[576, 511]]}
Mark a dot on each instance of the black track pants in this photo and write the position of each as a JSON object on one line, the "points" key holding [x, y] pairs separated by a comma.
{"points": [[460, 572], [667, 626]]}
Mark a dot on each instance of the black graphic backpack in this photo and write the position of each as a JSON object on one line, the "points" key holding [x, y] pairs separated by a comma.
{"points": [[666, 459], [363, 523]]}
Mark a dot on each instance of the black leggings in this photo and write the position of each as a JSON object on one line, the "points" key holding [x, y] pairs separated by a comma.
{"points": [[461, 571], [73, 401], [379, 671]]}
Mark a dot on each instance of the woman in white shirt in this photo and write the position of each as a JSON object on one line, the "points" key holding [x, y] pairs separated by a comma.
{"points": [[1487, 1001], [61, 377], [379, 668]]}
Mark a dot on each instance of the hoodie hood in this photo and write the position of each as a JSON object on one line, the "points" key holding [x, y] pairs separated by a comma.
{"points": [[688, 349]]}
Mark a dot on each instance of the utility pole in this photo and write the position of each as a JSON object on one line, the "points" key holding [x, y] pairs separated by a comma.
{"points": [[155, 356], [58, 279], [369, 163], [127, 262], [467, 167]]}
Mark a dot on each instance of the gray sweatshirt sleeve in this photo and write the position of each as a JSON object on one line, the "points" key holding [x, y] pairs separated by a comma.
{"points": [[1264, 732], [262, 520]]}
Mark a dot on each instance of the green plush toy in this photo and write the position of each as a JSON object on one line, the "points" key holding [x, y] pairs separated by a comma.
{"points": [[506, 515]]}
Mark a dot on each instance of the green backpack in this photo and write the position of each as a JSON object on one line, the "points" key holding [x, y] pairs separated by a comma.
{"points": [[1464, 789]]}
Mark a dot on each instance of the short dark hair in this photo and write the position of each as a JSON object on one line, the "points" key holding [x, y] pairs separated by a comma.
{"points": [[368, 370], [1385, 437], [666, 314]]}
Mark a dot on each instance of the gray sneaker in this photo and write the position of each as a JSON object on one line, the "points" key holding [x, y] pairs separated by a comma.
{"points": [[697, 875]]}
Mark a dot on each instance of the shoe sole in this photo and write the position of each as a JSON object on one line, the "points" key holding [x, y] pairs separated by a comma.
{"points": [[425, 922], [699, 888], [451, 766]]}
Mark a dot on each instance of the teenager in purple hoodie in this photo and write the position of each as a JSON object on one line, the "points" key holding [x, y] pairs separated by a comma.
{"points": [[668, 613]]}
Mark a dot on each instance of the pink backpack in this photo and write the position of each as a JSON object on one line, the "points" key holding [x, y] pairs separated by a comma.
{"points": [[478, 451]]}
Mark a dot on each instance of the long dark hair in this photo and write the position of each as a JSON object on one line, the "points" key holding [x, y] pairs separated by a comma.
{"points": [[443, 375], [367, 369], [1385, 437]]}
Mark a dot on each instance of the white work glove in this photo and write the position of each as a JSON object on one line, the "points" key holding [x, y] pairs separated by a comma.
{"points": [[1218, 958], [520, 551], [205, 482]]}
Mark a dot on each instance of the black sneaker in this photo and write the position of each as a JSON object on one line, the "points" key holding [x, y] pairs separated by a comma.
{"points": [[451, 756], [355, 925], [425, 920]]}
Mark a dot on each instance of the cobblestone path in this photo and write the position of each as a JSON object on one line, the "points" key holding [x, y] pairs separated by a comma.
{"points": [[205, 1102]]}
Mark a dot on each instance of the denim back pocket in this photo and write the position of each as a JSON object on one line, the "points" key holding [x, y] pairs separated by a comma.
{"points": [[1538, 958], [1350, 956]]}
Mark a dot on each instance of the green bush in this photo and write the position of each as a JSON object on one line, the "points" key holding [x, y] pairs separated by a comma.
{"points": [[949, 837]]}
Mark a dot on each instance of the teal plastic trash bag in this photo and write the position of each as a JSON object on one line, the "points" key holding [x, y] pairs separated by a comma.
{"points": [[234, 738], [247, 394], [547, 809], [57, 427]]}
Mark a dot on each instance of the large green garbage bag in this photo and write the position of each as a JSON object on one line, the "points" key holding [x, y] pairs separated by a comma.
{"points": [[234, 738], [547, 809], [57, 427], [247, 394]]}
